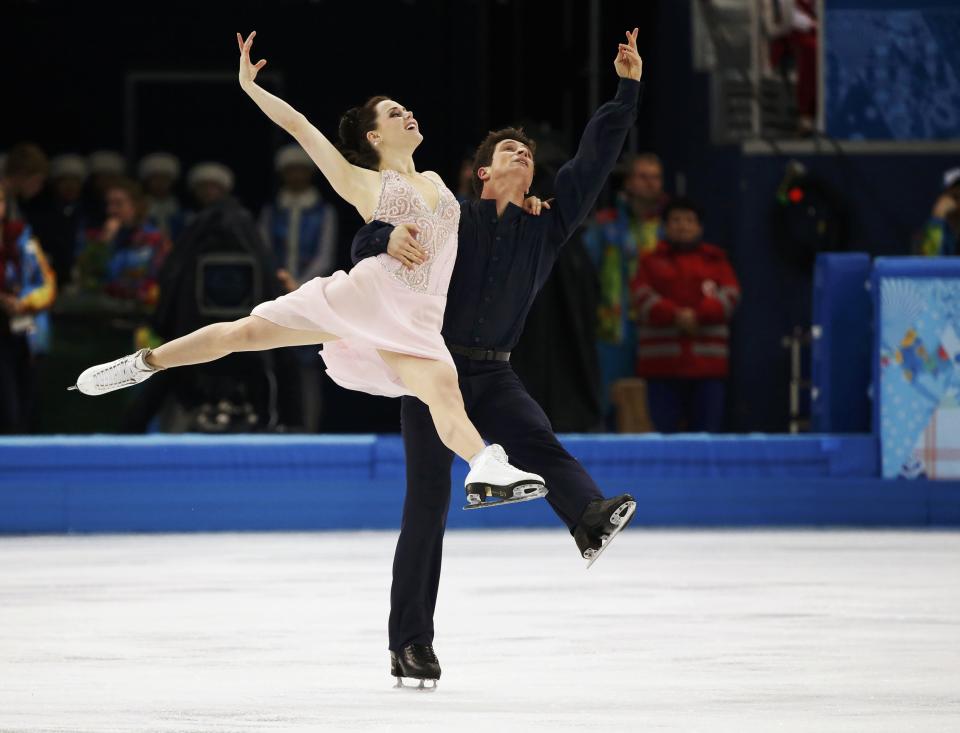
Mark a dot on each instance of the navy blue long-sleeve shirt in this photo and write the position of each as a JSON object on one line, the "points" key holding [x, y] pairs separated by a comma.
{"points": [[503, 262]]}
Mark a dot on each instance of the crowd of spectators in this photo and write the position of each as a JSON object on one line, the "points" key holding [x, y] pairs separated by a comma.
{"points": [[157, 255], [83, 239], [666, 300], [116, 245]]}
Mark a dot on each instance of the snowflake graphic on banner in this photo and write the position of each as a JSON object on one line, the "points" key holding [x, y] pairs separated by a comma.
{"points": [[892, 74]]}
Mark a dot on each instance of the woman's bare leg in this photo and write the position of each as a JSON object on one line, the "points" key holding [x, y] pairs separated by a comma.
{"points": [[215, 341], [436, 385]]}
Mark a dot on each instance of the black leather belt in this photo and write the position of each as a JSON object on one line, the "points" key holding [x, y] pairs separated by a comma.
{"points": [[479, 354]]}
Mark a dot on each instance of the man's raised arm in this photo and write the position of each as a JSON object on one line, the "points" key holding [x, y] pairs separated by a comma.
{"points": [[580, 180]]}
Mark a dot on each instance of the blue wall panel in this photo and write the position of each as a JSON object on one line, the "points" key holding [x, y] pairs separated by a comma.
{"points": [[842, 343], [202, 483]]}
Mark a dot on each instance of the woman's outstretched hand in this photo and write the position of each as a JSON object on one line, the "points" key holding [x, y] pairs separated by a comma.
{"points": [[628, 63], [248, 71]]}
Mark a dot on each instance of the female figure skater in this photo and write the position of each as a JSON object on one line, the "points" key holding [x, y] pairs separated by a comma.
{"points": [[380, 324]]}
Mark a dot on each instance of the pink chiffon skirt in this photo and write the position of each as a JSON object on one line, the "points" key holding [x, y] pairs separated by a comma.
{"points": [[369, 310]]}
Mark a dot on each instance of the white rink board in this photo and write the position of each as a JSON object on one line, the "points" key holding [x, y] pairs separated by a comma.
{"points": [[669, 631]]}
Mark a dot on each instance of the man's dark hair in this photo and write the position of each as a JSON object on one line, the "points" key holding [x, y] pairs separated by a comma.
{"points": [[484, 155], [354, 126], [682, 203]]}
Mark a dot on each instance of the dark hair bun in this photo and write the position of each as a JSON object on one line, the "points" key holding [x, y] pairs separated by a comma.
{"points": [[350, 137], [349, 125], [355, 123]]}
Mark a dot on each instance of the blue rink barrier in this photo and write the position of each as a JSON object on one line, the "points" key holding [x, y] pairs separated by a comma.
{"points": [[205, 483], [840, 354]]}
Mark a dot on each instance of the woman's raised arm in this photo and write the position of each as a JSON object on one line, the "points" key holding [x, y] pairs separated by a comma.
{"points": [[357, 186]]}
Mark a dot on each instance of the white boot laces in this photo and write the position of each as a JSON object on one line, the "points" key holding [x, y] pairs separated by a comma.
{"points": [[497, 453]]}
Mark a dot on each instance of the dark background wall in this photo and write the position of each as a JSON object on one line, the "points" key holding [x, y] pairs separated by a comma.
{"points": [[462, 67]]}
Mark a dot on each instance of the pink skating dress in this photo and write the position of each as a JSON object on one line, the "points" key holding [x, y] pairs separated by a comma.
{"points": [[380, 304]]}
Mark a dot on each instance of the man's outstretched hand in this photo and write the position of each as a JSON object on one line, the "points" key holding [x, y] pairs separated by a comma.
{"points": [[628, 63], [403, 246]]}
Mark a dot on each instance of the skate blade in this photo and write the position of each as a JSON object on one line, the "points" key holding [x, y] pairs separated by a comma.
{"points": [[422, 687], [540, 492], [622, 518]]}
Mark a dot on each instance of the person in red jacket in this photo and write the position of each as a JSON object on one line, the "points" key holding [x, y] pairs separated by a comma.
{"points": [[685, 292]]}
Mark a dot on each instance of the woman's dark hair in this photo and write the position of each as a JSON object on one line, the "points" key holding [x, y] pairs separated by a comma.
{"points": [[354, 126], [484, 155]]}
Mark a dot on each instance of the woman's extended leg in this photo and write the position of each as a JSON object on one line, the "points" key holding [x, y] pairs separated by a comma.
{"points": [[215, 341], [251, 333], [491, 476], [435, 384]]}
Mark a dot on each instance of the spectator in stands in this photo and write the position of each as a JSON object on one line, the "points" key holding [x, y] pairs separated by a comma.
{"points": [[67, 175], [209, 183], [942, 231], [301, 231], [123, 257], [300, 227], [615, 241], [220, 268], [24, 178], [685, 292], [28, 197], [158, 174], [792, 27], [27, 290], [106, 167]]}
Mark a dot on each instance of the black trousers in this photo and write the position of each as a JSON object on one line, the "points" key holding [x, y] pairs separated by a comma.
{"points": [[503, 412]]}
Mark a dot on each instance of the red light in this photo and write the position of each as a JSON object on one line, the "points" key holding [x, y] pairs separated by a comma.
{"points": [[795, 195]]}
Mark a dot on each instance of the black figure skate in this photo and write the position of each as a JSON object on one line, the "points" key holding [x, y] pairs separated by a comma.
{"points": [[602, 520], [418, 662]]}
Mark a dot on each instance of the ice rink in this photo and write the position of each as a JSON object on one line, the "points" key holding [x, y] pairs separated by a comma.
{"points": [[669, 631]]}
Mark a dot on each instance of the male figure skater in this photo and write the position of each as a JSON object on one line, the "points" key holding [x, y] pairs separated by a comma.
{"points": [[503, 259]]}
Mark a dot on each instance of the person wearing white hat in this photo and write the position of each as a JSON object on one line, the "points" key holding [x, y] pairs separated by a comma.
{"points": [[67, 175], [209, 182], [106, 162], [106, 167], [299, 225], [68, 172], [301, 231], [941, 234], [158, 173]]}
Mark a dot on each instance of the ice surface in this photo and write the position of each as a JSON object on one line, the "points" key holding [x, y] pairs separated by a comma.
{"points": [[670, 631]]}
